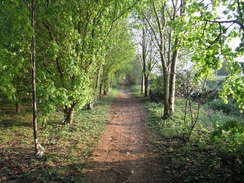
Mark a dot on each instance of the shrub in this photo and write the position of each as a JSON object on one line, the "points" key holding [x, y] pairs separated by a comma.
{"points": [[156, 86], [230, 137], [219, 105]]}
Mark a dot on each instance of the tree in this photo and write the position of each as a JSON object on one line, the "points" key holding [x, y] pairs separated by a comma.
{"points": [[14, 51], [164, 19], [38, 148], [208, 37], [73, 37], [149, 59], [119, 54]]}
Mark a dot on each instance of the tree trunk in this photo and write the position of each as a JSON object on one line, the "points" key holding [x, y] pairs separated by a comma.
{"points": [[98, 80], [101, 89], [105, 92], [172, 93], [90, 106], [39, 150], [33, 60], [146, 85], [18, 107], [167, 112], [144, 61], [172, 82], [142, 84], [68, 115]]}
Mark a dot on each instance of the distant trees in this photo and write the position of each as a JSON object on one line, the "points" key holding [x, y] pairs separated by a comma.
{"points": [[163, 20], [148, 57], [119, 53]]}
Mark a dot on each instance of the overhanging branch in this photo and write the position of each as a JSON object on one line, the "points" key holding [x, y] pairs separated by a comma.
{"points": [[227, 22]]}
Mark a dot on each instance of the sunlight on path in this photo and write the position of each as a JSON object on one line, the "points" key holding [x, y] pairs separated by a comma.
{"points": [[123, 154]]}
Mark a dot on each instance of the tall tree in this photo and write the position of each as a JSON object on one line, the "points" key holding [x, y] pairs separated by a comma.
{"points": [[38, 148], [164, 19], [149, 57], [73, 37]]}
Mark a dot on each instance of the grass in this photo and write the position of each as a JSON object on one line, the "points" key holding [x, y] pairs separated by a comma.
{"points": [[66, 146], [114, 92], [215, 152], [135, 90]]}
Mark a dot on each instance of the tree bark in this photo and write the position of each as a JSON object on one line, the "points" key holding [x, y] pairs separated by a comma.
{"points": [[18, 107], [101, 89], [69, 114], [144, 60], [146, 85], [142, 83], [172, 80], [105, 92], [90, 106], [39, 150], [167, 112], [33, 60]]}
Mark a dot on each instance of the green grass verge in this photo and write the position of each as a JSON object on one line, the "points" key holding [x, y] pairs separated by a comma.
{"points": [[66, 146], [215, 152]]}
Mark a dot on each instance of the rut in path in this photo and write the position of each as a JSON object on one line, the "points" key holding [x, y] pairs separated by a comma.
{"points": [[123, 154]]}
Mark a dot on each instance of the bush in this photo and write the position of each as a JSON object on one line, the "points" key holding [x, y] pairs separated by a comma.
{"points": [[156, 86], [230, 137], [219, 105]]}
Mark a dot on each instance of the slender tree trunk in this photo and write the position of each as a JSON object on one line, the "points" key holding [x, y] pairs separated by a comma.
{"points": [[172, 83], [97, 80], [18, 100], [105, 86], [101, 89], [146, 85], [166, 93], [172, 93], [144, 61], [105, 91], [142, 83], [34, 101], [18, 107]]}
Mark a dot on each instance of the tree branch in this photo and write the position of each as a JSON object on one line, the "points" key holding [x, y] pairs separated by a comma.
{"points": [[227, 22], [118, 17]]}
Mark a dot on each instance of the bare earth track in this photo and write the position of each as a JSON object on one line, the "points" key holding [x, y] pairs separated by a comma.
{"points": [[124, 155]]}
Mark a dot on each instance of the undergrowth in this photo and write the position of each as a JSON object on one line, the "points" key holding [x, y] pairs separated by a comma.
{"points": [[215, 152], [135, 90], [66, 146]]}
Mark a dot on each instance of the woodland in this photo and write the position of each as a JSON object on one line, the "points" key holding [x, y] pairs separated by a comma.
{"points": [[64, 62]]}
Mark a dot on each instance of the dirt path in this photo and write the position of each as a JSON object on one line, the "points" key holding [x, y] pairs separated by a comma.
{"points": [[123, 154]]}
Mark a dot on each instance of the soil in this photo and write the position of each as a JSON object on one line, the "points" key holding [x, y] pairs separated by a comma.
{"points": [[124, 153]]}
